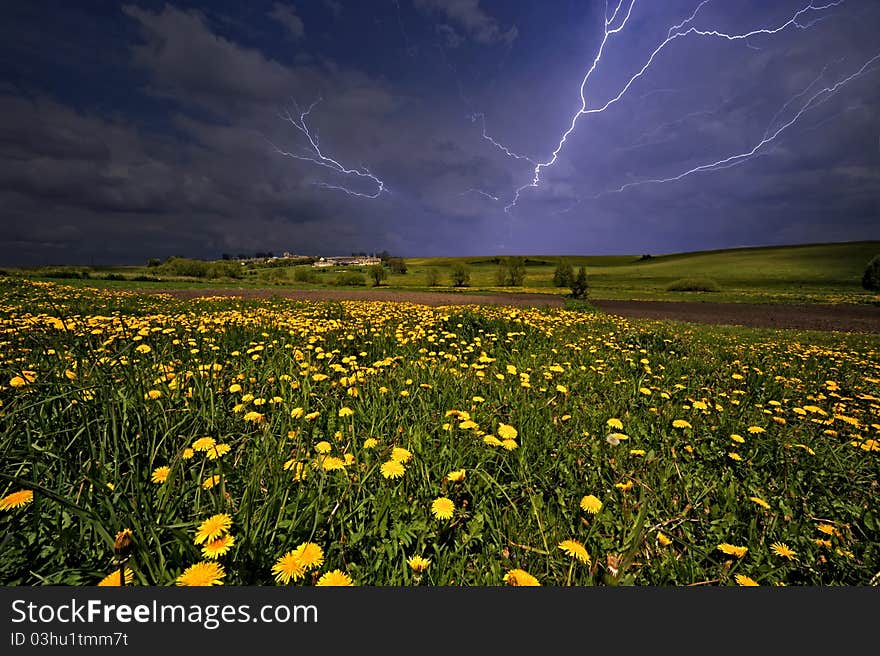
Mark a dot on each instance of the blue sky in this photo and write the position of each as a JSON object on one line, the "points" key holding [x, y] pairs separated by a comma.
{"points": [[148, 129]]}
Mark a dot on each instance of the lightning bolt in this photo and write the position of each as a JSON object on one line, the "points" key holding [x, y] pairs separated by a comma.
{"points": [[769, 136], [614, 24], [481, 192], [319, 158]]}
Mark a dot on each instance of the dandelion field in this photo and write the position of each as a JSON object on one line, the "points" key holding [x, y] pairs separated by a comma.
{"points": [[271, 442]]}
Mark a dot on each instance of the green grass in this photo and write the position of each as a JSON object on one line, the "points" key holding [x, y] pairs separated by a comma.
{"points": [[817, 273], [101, 388]]}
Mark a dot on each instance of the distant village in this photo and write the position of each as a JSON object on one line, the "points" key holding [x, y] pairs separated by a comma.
{"points": [[355, 259]]}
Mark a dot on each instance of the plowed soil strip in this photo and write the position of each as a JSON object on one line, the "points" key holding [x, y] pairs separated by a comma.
{"points": [[843, 317]]}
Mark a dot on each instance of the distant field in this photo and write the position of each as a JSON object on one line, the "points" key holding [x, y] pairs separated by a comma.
{"points": [[817, 273]]}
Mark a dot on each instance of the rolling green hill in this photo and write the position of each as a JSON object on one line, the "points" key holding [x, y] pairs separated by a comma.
{"points": [[807, 273]]}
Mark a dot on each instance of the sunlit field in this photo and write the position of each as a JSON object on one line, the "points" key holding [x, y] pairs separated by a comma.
{"points": [[387, 444]]}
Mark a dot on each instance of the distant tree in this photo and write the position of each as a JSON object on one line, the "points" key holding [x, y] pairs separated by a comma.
{"points": [[225, 256], [396, 264], [241, 256], [580, 285], [871, 277], [154, 262], [460, 275], [377, 273], [563, 276], [511, 272], [385, 256], [432, 277]]}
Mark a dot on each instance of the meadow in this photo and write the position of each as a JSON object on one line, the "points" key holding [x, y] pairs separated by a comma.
{"points": [[809, 273], [271, 442]]}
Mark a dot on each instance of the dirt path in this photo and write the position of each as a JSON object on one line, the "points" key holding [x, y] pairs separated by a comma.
{"points": [[844, 317]]}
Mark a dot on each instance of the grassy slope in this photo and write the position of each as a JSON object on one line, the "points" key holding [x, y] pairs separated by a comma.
{"points": [[801, 273]]}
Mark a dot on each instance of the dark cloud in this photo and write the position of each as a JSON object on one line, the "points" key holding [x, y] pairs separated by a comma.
{"points": [[286, 15], [470, 16], [177, 155]]}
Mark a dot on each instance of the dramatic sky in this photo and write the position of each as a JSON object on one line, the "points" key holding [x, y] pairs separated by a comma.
{"points": [[139, 129]]}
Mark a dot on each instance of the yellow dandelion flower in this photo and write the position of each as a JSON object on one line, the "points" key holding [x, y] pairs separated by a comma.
{"points": [[663, 540], [310, 555], [112, 579], [823, 543], [827, 529], [467, 424], [392, 469], [16, 499], [442, 508], [335, 578], [203, 444], [681, 423], [760, 502], [782, 549], [298, 468], [401, 455], [160, 474], [332, 463], [738, 438], [345, 411], [253, 417], [614, 422], [187, 453], [756, 429], [506, 432], [732, 550], [491, 440], [296, 413], [288, 568], [510, 445], [323, 447], [575, 549], [152, 395], [743, 580], [313, 415], [591, 504], [418, 564], [218, 547], [637, 452], [212, 528], [624, 486], [234, 388], [520, 577], [218, 451], [455, 476], [205, 573], [370, 442], [211, 481], [562, 389], [734, 456]]}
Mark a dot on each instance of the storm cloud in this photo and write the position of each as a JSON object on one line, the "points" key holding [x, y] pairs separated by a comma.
{"points": [[151, 129]]}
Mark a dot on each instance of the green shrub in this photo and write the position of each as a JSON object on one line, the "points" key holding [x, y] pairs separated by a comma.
{"points": [[871, 277], [580, 286], [511, 272], [350, 278], [304, 274], [460, 275], [432, 277], [563, 276], [693, 285]]}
